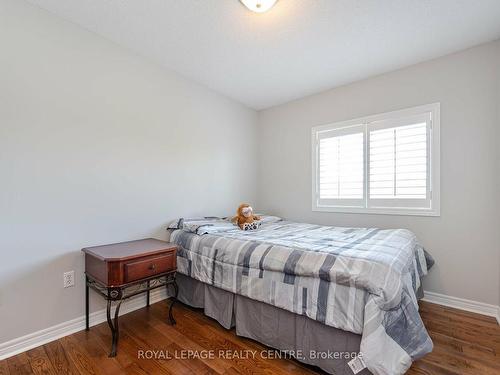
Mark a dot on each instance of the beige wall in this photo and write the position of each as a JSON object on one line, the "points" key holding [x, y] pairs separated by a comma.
{"points": [[465, 238], [98, 145]]}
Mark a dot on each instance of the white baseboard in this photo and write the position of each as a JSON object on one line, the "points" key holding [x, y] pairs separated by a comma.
{"points": [[463, 304], [32, 340]]}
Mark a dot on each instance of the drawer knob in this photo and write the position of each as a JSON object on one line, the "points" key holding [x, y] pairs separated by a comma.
{"points": [[152, 267]]}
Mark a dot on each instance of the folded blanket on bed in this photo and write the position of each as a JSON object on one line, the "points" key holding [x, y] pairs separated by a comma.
{"points": [[363, 280]]}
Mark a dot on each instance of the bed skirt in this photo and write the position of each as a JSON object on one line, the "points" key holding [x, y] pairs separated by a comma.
{"points": [[317, 344]]}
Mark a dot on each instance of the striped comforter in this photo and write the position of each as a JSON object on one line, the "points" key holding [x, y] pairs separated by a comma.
{"points": [[363, 280]]}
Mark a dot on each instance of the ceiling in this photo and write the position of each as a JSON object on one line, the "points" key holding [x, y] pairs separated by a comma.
{"points": [[298, 48]]}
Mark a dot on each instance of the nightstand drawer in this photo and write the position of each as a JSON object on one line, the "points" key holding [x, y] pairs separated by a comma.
{"points": [[141, 269]]}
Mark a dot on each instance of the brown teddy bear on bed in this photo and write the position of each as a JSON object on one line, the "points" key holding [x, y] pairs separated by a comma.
{"points": [[245, 218]]}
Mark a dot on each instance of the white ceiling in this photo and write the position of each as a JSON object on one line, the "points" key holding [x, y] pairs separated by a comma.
{"points": [[298, 48]]}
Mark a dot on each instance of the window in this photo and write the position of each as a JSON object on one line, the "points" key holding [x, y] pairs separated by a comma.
{"points": [[387, 163]]}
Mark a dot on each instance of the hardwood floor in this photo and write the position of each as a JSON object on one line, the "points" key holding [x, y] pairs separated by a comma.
{"points": [[465, 343]]}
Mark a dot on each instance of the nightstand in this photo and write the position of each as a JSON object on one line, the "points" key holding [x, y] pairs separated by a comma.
{"points": [[123, 270]]}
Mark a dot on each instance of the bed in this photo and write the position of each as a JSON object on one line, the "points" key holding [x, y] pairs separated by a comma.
{"points": [[350, 289]]}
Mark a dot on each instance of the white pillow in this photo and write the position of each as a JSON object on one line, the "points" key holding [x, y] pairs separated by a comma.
{"points": [[269, 219]]}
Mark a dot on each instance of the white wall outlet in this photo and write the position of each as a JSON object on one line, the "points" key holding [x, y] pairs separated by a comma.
{"points": [[69, 279]]}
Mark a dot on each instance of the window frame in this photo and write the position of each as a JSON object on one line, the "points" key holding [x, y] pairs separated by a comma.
{"points": [[433, 169]]}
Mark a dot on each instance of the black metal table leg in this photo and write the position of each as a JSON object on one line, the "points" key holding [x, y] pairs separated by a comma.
{"points": [[114, 327], [122, 293], [170, 314], [87, 322], [148, 296]]}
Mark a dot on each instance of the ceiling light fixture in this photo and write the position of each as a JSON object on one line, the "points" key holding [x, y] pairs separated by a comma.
{"points": [[259, 6]]}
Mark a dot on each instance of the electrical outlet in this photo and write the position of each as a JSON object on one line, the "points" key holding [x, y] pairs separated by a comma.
{"points": [[69, 279]]}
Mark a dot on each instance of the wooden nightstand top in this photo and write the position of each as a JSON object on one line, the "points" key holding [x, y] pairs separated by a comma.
{"points": [[129, 250]]}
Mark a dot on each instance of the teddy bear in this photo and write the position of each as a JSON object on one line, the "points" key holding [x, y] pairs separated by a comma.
{"points": [[245, 218]]}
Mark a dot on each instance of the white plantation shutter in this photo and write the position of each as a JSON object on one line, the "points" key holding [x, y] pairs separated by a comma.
{"points": [[387, 163], [341, 166], [398, 160]]}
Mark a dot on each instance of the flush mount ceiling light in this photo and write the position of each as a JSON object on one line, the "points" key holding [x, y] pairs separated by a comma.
{"points": [[259, 6]]}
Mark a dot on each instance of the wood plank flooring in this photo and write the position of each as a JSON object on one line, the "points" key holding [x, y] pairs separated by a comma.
{"points": [[464, 343]]}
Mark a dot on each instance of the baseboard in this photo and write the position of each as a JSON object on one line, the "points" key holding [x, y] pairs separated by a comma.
{"points": [[463, 304], [32, 340]]}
